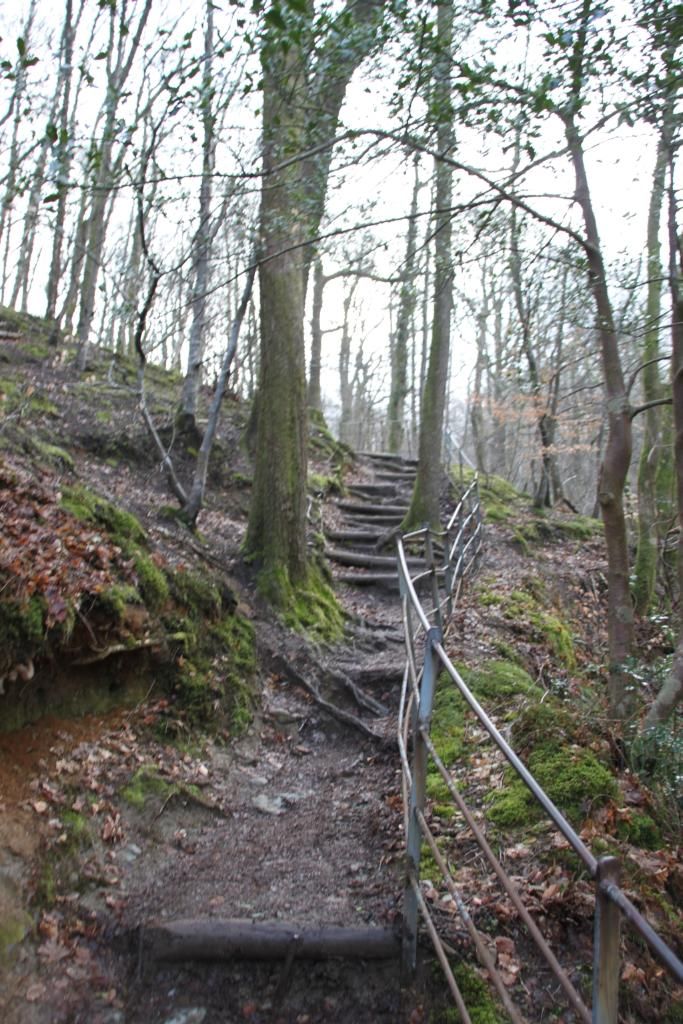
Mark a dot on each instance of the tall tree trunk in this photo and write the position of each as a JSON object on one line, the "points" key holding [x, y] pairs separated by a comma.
{"points": [[202, 240], [645, 568], [424, 505], [346, 383], [542, 495], [276, 533], [616, 457], [404, 319], [16, 108], [476, 401], [119, 63], [314, 395], [292, 204], [672, 692]]}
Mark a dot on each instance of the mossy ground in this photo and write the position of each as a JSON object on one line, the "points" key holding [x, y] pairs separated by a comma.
{"points": [[309, 607]]}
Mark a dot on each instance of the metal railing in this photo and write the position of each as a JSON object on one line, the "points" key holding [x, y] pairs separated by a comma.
{"points": [[449, 556]]}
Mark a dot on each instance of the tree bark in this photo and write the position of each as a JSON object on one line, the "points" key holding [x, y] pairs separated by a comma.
{"points": [[424, 506], [645, 568], [119, 63], [672, 692], [616, 457], [268, 940], [276, 533], [404, 319], [202, 240], [314, 395]]}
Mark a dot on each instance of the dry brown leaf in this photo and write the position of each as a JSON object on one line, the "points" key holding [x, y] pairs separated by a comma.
{"points": [[35, 992]]}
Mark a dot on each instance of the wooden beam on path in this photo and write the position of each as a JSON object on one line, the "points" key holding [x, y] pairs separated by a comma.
{"points": [[215, 939]]}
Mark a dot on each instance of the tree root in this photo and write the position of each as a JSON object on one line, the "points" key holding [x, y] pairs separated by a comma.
{"points": [[284, 667]]}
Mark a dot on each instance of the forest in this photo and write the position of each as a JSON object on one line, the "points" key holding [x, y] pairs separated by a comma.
{"points": [[244, 245]]}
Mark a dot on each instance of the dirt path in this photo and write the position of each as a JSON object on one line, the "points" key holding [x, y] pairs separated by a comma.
{"points": [[298, 822]]}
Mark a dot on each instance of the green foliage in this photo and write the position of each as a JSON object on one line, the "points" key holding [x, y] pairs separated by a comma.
{"points": [[499, 499], [657, 756]]}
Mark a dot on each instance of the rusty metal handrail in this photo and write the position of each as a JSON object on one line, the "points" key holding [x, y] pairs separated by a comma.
{"points": [[426, 658]]}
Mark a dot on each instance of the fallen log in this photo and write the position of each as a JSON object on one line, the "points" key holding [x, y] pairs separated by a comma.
{"points": [[214, 939]]}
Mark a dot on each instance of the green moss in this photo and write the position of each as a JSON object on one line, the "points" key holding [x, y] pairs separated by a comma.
{"points": [[527, 608], [477, 996], [573, 779], [152, 582], [89, 507], [22, 629], [320, 484], [53, 454], [14, 928], [488, 598], [41, 404], [580, 527], [448, 722], [428, 866], [236, 634], [524, 535], [310, 607], [199, 595], [114, 601], [539, 724], [497, 679], [145, 783], [640, 830]]}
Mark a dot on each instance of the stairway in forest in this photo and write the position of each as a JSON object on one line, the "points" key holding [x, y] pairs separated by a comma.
{"points": [[355, 526]]}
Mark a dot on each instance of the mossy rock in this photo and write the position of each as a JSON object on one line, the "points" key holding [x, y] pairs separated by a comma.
{"points": [[574, 780]]}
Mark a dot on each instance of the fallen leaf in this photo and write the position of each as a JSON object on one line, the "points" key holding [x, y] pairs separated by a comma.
{"points": [[53, 951], [35, 992]]}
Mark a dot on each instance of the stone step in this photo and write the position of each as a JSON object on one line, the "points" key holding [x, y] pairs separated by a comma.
{"points": [[366, 508]]}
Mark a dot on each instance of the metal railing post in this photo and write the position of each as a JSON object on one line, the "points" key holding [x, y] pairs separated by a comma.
{"points": [[431, 564], [417, 802], [606, 944]]}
